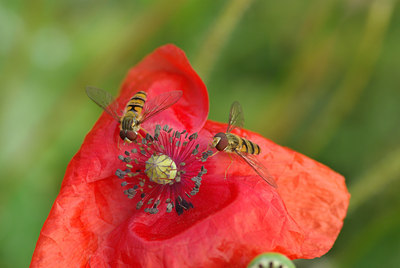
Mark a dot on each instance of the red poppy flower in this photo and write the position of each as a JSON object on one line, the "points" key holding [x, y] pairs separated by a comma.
{"points": [[187, 214]]}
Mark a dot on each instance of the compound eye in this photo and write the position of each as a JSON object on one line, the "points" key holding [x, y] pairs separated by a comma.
{"points": [[122, 134], [130, 135], [222, 143]]}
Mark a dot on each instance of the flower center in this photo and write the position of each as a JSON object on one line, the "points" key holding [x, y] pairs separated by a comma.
{"points": [[161, 169]]}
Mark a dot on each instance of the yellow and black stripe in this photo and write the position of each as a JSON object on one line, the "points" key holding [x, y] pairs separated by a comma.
{"points": [[136, 103], [133, 110], [242, 144], [249, 147]]}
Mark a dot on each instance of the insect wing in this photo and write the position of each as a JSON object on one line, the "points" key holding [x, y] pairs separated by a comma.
{"points": [[258, 167], [159, 103], [236, 118], [105, 100]]}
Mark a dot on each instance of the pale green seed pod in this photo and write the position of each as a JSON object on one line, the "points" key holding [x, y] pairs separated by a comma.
{"points": [[271, 260]]}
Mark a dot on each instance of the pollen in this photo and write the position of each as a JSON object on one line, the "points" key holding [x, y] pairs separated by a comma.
{"points": [[163, 172]]}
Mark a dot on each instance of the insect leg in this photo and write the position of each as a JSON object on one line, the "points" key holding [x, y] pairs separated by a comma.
{"points": [[141, 131], [226, 170], [213, 154]]}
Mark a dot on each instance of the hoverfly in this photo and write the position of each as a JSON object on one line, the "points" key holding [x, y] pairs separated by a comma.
{"points": [[245, 148], [137, 110]]}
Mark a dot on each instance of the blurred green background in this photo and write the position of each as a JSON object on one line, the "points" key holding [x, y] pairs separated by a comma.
{"points": [[321, 77]]}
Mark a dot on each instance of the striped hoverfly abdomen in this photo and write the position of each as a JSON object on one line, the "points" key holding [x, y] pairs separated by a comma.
{"points": [[135, 105], [137, 110], [247, 146]]}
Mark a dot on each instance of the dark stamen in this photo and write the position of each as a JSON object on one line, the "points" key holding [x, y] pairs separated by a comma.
{"points": [[196, 179], [157, 132], [203, 170], [151, 210], [131, 190], [178, 209], [149, 137], [193, 136], [194, 191], [204, 156], [120, 174], [186, 204], [169, 207]]}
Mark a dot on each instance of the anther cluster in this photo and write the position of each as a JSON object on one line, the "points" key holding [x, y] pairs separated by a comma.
{"points": [[164, 170]]}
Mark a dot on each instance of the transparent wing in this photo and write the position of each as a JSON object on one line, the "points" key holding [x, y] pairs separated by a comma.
{"points": [[105, 100], [159, 103], [236, 118], [258, 167]]}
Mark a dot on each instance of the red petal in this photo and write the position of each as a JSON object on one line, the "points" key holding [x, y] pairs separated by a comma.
{"points": [[233, 220], [230, 224], [90, 204], [167, 69], [316, 197]]}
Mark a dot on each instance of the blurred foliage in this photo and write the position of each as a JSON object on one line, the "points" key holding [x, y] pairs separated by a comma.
{"points": [[320, 77]]}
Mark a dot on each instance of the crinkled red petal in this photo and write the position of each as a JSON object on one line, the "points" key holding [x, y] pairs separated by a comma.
{"points": [[167, 69], [316, 197], [90, 203], [233, 219], [230, 224]]}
